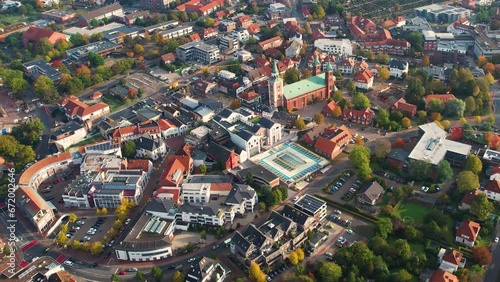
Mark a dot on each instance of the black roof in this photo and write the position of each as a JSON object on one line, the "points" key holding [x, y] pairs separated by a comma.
{"points": [[212, 104], [398, 64], [147, 143], [239, 193], [225, 113], [258, 171], [284, 116], [267, 123], [196, 208], [245, 135], [159, 205], [309, 204], [217, 151], [294, 214], [67, 127]]}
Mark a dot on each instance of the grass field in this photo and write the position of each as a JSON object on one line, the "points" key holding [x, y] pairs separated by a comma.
{"points": [[415, 211], [417, 248], [113, 102]]}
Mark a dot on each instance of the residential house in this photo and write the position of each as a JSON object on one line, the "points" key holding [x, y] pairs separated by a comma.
{"points": [[244, 21], [310, 136], [397, 68], [253, 28], [176, 168], [149, 147], [467, 233], [167, 58], [249, 98], [68, 134], [272, 133], [273, 42], [204, 88], [330, 108], [242, 199], [34, 34], [370, 194], [284, 118], [406, 108], [312, 206], [365, 116], [364, 79], [227, 26], [204, 214], [450, 261], [345, 65], [76, 109], [207, 269], [492, 190], [226, 158], [293, 50], [495, 173], [440, 275], [209, 33], [467, 199]]}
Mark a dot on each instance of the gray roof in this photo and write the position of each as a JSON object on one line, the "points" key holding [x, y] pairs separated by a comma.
{"points": [[159, 205], [258, 171], [372, 191], [201, 178], [398, 154], [284, 116], [147, 143], [398, 64], [101, 11], [267, 123], [225, 113], [195, 208], [211, 104], [276, 224], [245, 135], [67, 127], [239, 193], [294, 214], [148, 113]]}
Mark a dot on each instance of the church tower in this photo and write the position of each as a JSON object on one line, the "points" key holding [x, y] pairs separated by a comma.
{"points": [[316, 66], [275, 87], [330, 80]]}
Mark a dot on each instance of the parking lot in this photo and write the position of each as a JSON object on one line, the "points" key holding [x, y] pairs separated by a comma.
{"points": [[82, 230], [148, 83]]}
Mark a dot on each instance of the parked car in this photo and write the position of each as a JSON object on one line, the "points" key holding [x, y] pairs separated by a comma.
{"points": [[68, 263], [191, 259], [127, 221], [121, 272], [110, 244], [215, 247], [132, 269]]}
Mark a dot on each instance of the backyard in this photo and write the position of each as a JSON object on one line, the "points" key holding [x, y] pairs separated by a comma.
{"points": [[113, 102], [412, 211]]}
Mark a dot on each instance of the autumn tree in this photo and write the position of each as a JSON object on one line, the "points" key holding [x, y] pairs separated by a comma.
{"points": [[72, 218], [300, 124], [406, 122], [398, 143], [138, 49], [383, 74], [132, 93], [489, 67], [467, 181], [293, 258], [255, 273], [179, 277], [481, 61], [96, 248], [319, 118], [45, 88], [306, 73], [382, 148], [481, 206], [426, 61], [474, 164], [482, 255]]}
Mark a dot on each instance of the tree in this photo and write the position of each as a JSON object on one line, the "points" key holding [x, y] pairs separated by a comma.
{"points": [[481, 61], [406, 122], [96, 248], [383, 58], [293, 258], [292, 75], [206, 72], [415, 91], [61, 238], [138, 49], [426, 61], [467, 181], [319, 118], [28, 132], [454, 108], [235, 104], [337, 95], [482, 255], [300, 253], [193, 16], [115, 278], [402, 276], [157, 273], [300, 124], [435, 105], [416, 40], [419, 169], [203, 169], [444, 171], [383, 74], [351, 86], [382, 118], [481, 207], [128, 149], [45, 88], [328, 272], [360, 101], [360, 160], [382, 148], [474, 164], [104, 211], [179, 277], [384, 227], [255, 273], [489, 67], [139, 276], [72, 218], [95, 59], [18, 85], [132, 94]]}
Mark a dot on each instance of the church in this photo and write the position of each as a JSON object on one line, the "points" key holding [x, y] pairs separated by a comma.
{"points": [[301, 93]]}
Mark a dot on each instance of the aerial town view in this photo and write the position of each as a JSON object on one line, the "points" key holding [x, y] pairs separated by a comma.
{"points": [[245, 140]]}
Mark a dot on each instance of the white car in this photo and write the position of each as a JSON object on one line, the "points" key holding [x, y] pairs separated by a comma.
{"points": [[496, 239], [68, 263], [349, 231], [86, 238], [191, 259], [127, 221]]}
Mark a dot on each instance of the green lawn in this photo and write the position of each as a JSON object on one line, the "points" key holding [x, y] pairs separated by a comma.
{"points": [[10, 19], [385, 200], [415, 211], [93, 139], [417, 248], [113, 102]]}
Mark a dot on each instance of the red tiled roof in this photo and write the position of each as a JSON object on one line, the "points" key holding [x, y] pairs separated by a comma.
{"points": [[270, 40], [469, 230], [36, 33], [220, 14], [261, 61], [210, 5], [364, 76], [402, 105], [143, 164], [36, 202], [470, 195], [243, 19], [440, 275], [331, 106], [305, 11], [28, 173], [194, 37], [324, 145], [253, 28], [185, 150], [169, 57], [165, 124], [220, 186], [443, 97], [168, 193], [453, 257], [367, 113], [209, 31], [493, 186], [173, 164], [96, 95], [495, 170], [249, 96]]}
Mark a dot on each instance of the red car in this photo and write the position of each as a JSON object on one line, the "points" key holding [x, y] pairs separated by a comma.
{"points": [[121, 272]]}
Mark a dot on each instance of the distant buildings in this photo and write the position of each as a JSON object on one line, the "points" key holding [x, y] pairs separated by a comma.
{"points": [[198, 51], [442, 13], [80, 54], [34, 69], [76, 109], [60, 16], [34, 34], [335, 46], [108, 11]]}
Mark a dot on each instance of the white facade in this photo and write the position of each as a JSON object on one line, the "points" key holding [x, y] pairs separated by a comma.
{"points": [[293, 50], [492, 195], [335, 46], [273, 135], [397, 68], [149, 255], [203, 218], [196, 192], [242, 35], [72, 139], [155, 154]]}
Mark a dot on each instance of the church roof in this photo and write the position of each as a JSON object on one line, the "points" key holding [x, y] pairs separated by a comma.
{"points": [[298, 88]]}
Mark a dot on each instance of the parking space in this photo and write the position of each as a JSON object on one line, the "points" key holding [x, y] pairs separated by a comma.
{"points": [[148, 83], [91, 229], [344, 185]]}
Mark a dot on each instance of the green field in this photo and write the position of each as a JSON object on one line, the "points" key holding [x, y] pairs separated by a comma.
{"points": [[113, 102], [415, 211]]}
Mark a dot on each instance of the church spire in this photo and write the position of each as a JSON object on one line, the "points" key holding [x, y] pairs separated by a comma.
{"points": [[275, 68]]}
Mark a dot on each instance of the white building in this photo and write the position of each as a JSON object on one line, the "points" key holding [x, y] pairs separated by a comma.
{"points": [[207, 270], [397, 68], [242, 198], [68, 134], [149, 147], [114, 185], [336, 46], [241, 34], [195, 193], [276, 8], [204, 214], [10, 4], [293, 50]]}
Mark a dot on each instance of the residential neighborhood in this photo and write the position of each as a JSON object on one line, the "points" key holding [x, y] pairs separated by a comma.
{"points": [[249, 140]]}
